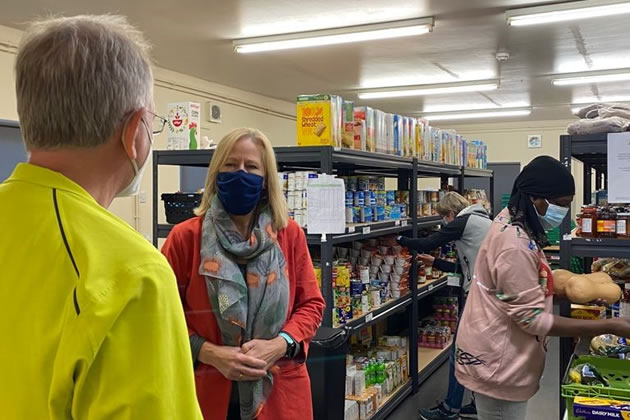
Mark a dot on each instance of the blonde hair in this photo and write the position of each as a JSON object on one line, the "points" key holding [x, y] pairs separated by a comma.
{"points": [[451, 202], [77, 78], [275, 196]]}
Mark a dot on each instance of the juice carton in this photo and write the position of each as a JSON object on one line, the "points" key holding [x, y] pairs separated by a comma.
{"points": [[184, 122], [366, 115], [413, 145], [389, 134], [319, 120], [347, 136], [398, 135]]}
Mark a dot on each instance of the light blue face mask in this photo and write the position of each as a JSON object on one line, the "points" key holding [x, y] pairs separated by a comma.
{"points": [[553, 217]]}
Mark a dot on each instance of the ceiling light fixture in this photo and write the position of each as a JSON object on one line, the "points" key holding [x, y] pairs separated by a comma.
{"points": [[592, 78], [397, 29], [501, 113], [564, 12], [425, 90]]}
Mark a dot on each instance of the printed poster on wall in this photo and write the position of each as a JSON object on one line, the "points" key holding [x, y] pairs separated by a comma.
{"points": [[618, 167]]}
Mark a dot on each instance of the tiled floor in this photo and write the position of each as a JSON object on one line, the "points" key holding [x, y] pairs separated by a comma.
{"points": [[544, 405]]}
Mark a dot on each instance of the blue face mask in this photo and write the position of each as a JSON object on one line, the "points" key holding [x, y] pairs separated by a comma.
{"points": [[553, 217], [239, 191]]}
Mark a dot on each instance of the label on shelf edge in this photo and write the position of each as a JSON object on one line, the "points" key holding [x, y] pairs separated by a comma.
{"points": [[369, 317], [397, 223], [567, 237], [351, 229], [430, 287], [403, 223], [366, 230]]}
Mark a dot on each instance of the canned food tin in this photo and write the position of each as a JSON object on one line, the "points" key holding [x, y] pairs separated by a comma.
{"points": [[359, 198]]}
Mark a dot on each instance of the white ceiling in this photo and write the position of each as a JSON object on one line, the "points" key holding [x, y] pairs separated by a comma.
{"points": [[194, 37]]}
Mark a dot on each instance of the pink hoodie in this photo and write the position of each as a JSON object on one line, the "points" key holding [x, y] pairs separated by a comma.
{"points": [[501, 340]]}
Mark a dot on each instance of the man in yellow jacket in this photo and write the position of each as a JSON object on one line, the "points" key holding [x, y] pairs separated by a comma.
{"points": [[91, 326]]}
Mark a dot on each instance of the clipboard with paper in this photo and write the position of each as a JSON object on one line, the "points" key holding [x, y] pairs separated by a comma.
{"points": [[326, 212]]}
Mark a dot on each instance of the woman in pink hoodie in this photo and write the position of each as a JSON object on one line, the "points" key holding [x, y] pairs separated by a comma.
{"points": [[502, 338]]}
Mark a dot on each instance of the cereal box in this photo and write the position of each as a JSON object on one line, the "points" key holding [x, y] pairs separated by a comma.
{"points": [[319, 120], [184, 122]]}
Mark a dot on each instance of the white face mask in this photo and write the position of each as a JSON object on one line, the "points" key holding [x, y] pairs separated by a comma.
{"points": [[134, 186]]}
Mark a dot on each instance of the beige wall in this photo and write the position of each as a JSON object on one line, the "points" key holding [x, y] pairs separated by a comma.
{"points": [[240, 108], [507, 142]]}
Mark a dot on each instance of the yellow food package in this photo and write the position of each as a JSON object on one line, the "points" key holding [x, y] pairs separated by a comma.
{"points": [[343, 276], [318, 276], [587, 312], [316, 121]]}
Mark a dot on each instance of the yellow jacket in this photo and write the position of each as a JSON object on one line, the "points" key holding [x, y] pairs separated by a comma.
{"points": [[91, 325]]}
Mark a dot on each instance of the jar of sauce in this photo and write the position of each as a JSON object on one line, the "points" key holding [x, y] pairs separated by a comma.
{"points": [[607, 223], [623, 225], [589, 222]]}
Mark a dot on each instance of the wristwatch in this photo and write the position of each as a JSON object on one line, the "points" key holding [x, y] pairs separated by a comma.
{"points": [[291, 345]]}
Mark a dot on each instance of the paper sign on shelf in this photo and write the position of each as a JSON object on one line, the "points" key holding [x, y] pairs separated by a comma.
{"points": [[326, 207], [454, 280], [618, 167]]}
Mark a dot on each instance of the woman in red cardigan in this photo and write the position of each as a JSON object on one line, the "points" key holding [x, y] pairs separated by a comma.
{"points": [[248, 287]]}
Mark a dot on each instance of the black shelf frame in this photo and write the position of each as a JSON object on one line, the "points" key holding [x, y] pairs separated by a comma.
{"points": [[329, 160], [592, 151]]}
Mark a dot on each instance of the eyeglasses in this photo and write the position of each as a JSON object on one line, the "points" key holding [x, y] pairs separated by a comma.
{"points": [[158, 123]]}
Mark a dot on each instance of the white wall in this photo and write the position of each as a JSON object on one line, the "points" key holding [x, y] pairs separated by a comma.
{"points": [[240, 109]]}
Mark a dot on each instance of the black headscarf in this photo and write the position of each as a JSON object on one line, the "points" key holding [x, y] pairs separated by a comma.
{"points": [[543, 177]]}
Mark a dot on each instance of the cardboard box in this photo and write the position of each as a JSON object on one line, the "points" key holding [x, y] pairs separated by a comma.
{"points": [[351, 410], [319, 120], [184, 123], [587, 312]]}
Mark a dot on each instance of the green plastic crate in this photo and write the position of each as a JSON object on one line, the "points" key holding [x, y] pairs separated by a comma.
{"points": [[615, 370]]}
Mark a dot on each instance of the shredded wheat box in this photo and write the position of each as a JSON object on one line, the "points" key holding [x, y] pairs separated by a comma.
{"points": [[319, 120]]}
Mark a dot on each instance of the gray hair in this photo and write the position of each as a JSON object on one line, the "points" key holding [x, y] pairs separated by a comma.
{"points": [[451, 202], [78, 78]]}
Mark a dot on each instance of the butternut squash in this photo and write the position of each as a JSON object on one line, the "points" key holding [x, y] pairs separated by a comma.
{"points": [[560, 279], [599, 277], [581, 289]]}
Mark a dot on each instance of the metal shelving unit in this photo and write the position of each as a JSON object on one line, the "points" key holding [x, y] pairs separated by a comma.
{"points": [[592, 151], [326, 159]]}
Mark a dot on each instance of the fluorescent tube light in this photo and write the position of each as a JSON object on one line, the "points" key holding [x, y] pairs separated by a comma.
{"points": [[598, 78], [402, 28], [478, 114], [425, 90], [564, 12]]}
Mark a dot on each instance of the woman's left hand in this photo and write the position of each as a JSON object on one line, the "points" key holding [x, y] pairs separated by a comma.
{"points": [[268, 350]]}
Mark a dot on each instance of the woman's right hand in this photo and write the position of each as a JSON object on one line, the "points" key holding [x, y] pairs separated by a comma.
{"points": [[232, 363]]}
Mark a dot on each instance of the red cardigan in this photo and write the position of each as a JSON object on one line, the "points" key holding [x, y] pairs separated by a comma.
{"points": [[291, 395]]}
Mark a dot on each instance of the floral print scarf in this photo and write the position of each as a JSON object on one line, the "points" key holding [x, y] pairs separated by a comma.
{"points": [[248, 288]]}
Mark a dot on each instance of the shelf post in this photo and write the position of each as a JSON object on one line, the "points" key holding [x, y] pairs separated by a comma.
{"points": [[155, 197], [566, 344], [588, 177], [413, 281]]}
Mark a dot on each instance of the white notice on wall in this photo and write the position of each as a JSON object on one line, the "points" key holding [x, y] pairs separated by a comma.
{"points": [[618, 167], [326, 207]]}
